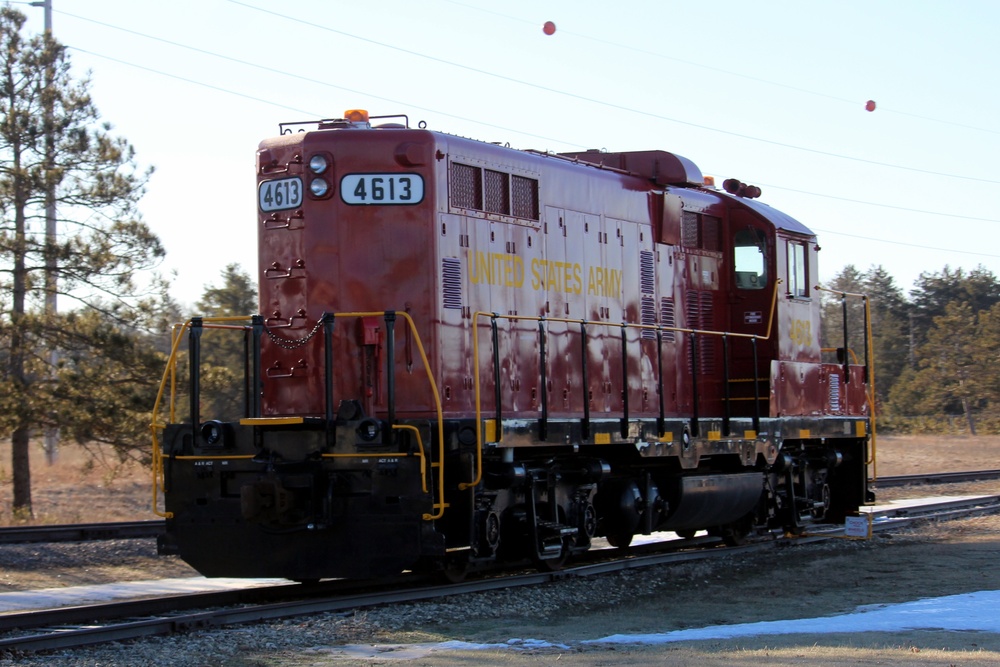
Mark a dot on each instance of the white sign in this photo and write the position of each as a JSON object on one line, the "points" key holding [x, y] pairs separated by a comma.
{"points": [[369, 189], [858, 526]]}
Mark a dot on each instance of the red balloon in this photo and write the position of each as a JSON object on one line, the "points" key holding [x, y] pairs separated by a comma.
{"points": [[549, 28], [870, 105]]}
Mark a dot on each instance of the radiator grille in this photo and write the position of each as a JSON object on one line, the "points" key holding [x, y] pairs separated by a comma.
{"points": [[466, 186], [524, 197], [497, 192]]}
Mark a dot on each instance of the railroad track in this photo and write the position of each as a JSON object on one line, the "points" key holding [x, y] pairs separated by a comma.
{"points": [[76, 627], [124, 530], [82, 532], [937, 478]]}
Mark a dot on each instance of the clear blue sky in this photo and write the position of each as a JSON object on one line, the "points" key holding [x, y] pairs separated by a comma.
{"points": [[772, 93]]}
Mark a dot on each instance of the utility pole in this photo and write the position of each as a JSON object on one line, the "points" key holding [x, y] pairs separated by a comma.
{"points": [[51, 239]]}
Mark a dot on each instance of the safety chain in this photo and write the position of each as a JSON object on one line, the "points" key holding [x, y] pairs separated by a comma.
{"points": [[293, 343]]}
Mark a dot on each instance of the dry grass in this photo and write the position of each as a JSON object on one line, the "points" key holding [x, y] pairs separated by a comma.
{"points": [[80, 488], [916, 454]]}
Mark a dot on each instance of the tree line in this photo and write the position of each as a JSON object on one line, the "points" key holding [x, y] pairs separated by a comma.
{"points": [[936, 351]]}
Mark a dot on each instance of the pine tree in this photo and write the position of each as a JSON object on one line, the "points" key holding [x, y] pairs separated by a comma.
{"points": [[223, 351], [51, 140]]}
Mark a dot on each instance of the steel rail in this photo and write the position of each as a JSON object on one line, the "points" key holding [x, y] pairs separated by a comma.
{"points": [[82, 532], [132, 628], [124, 530], [937, 478]]}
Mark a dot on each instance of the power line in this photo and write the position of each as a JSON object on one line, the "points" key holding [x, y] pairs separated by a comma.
{"points": [[272, 103], [504, 78], [712, 68], [871, 203], [610, 105], [353, 91], [292, 75], [903, 243]]}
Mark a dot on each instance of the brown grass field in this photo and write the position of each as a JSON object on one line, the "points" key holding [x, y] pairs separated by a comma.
{"points": [[80, 488]]}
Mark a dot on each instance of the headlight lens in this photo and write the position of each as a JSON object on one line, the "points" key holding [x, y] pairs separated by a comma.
{"points": [[318, 164], [318, 186]]}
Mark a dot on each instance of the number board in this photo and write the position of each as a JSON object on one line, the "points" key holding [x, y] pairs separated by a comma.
{"points": [[368, 189], [280, 194]]}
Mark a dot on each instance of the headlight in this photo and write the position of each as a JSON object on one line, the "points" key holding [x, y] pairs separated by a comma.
{"points": [[318, 164], [318, 186]]}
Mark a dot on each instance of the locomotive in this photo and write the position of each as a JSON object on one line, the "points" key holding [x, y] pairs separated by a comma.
{"points": [[468, 354]]}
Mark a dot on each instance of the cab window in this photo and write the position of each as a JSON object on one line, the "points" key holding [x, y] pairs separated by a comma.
{"points": [[749, 259], [798, 271]]}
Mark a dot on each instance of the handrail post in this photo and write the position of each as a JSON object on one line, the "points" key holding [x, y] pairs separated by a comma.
{"points": [[756, 388], [194, 365], [328, 325], [543, 422], [496, 374], [694, 383], [247, 389], [847, 360], [867, 323], [257, 324], [585, 424], [624, 419], [661, 418], [726, 412], [389, 435]]}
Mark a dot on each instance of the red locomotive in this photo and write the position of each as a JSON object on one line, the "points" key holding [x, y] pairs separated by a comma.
{"points": [[468, 353]]}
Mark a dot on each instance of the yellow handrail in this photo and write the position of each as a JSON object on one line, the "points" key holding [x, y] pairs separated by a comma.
{"points": [[169, 378], [531, 318], [870, 393]]}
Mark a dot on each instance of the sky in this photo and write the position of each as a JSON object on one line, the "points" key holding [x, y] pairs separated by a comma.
{"points": [[770, 93]]}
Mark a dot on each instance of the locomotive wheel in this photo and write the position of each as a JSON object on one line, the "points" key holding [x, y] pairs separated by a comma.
{"points": [[553, 564], [734, 534], [621, 540], [455, 570]]}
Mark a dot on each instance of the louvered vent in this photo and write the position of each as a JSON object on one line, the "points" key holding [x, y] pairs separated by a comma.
{"points": [[667, 318], [834, 393], [647, 285], [647, 279], [700, 316], [451, 282]]}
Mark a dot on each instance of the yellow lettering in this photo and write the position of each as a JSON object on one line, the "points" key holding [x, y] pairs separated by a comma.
{"points": [[553, 277], [497, 269], [537, 282], [513, 271], [595, 285], [578, 275], [801, 332], [567, 276]]}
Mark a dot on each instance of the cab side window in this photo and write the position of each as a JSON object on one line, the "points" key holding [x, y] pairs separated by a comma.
{"points": [[797, 277], [750, 259]]}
